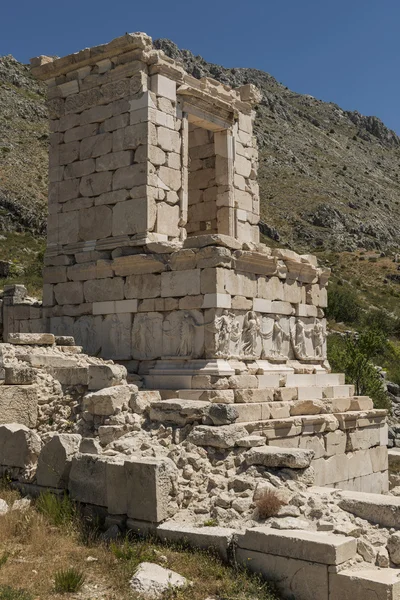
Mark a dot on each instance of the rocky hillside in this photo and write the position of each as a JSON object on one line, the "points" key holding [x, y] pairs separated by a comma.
{"points": [[329, 178], [23, 149]]}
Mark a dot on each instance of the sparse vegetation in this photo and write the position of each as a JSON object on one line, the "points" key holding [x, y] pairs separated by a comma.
{"points": [[268, 504], [42, 540], [10, 593], [68, 580]]}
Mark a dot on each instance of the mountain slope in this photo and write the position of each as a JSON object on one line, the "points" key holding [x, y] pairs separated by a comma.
{"points": [[23, 149]]}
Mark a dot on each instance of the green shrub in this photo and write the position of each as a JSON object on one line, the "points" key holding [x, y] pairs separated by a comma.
{"points": [[68, 580], [59, 511], [354, 355], [10, 593], [343, 304]]}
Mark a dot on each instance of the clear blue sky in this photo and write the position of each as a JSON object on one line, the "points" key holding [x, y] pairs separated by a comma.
{"points": [[343, 51]]}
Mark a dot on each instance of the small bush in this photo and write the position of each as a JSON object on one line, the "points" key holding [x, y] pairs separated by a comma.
{"points": [[269, 504], [9, 593], [68, 580], [210, 523]]}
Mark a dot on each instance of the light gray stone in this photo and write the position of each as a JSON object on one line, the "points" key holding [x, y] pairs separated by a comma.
{"points": [[55, 458], [19, 446], [177, 411], [31, 339], [276, 457], [152, 581], [224, 436], [18, 404], [87, 479], [149, 482], [106, 401], [106, 375], [376, 508]]}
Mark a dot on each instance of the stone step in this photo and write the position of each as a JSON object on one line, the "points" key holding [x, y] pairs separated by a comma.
{"points": [[250, 395], [259, 417], [295, 425]]}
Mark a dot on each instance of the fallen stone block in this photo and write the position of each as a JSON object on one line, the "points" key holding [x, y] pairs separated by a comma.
{"points": [[70, 376], [104, 376], [217, 539], [222, 414], [149, 482], [141, 401], [224, 436], [88, 480], [19, 446], [365, 584], [376, 508], [152, 581], [299, 579], [19, 375], [54, 462], [18, 404], [277, 457], [105, 402], [31, 339], [319, 547], [177, 411]]}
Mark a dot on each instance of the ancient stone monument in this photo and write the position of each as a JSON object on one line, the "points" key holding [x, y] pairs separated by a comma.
{"points": [[224, 393], [153, 250]]}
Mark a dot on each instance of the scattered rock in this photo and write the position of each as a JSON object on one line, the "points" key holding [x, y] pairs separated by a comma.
{"points": [[152, 581]]}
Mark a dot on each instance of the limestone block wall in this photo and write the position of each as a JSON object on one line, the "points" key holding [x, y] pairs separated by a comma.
{"points": [[194, 303], [350, 448]]}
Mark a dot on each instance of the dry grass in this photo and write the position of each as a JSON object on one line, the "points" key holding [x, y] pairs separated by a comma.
{"points": [[36, 550], [269, 504]]}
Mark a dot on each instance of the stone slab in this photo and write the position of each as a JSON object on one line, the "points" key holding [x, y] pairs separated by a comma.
{"points": [[319, 547], [365, 584], [18, 404], [148, 483], [207, 538], [31, 339], [376, 508], [277, 457]]}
